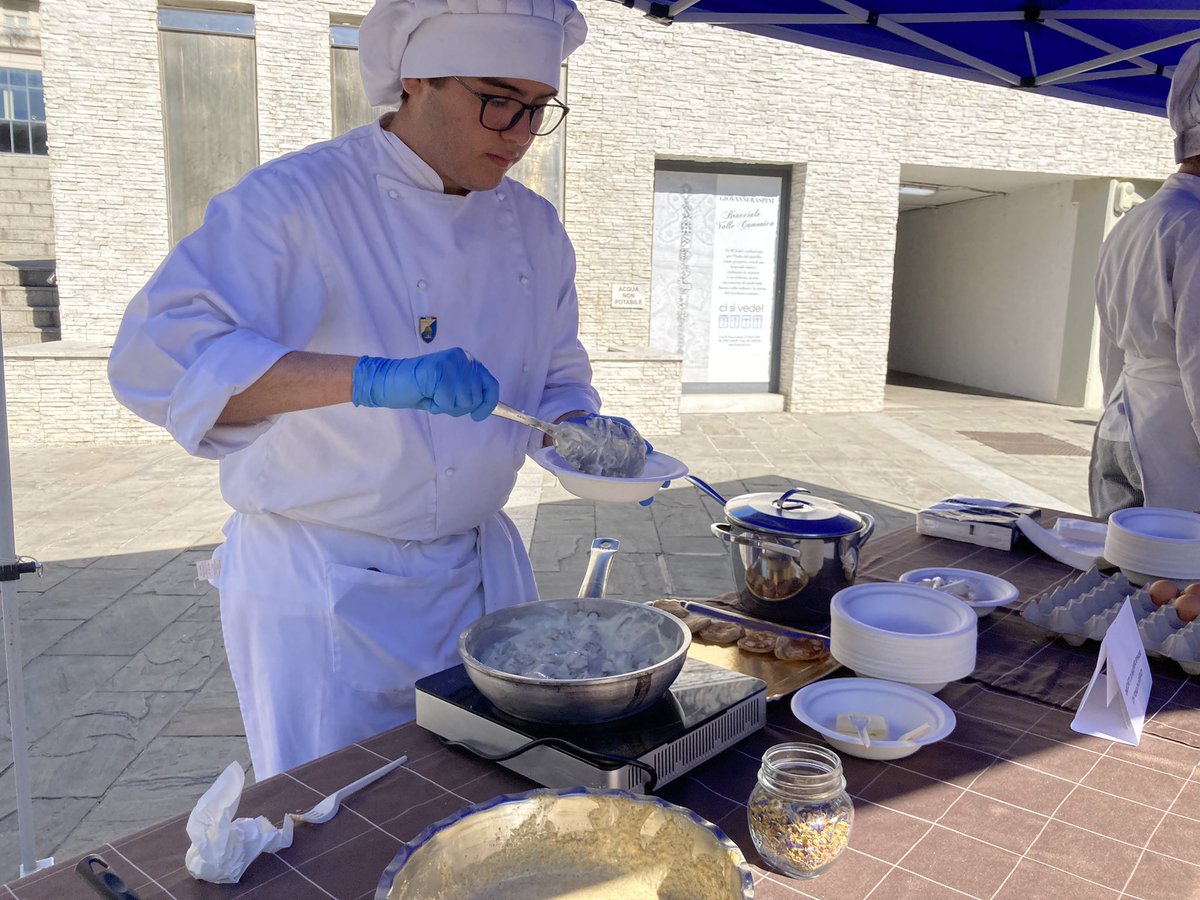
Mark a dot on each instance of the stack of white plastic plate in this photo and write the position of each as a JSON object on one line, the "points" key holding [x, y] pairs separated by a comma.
{"points": [[903, 632], [1149, 542]]}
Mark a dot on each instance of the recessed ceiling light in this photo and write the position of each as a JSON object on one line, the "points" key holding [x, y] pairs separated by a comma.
{"points": [[917, 190]]}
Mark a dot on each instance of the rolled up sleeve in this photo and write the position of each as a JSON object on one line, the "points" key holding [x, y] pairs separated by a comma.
{"points": [[212, 319]]}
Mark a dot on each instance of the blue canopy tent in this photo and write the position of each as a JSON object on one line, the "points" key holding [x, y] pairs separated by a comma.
{"points": [[1118, 53]]}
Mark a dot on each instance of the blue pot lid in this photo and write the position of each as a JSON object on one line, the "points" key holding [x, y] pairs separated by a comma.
{"points": [[795, 513]]}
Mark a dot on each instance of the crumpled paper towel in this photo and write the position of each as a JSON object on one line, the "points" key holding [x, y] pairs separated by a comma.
{"points": [[222, 846]]}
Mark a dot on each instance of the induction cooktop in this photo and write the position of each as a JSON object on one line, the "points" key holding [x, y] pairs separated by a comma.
{"points": [[707, 709]]}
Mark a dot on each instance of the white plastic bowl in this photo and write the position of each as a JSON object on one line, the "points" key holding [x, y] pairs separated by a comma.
{"points": [[906, 611], [819, 704], [904, 633], [1149, 542], [989, 590], [659, 468]]}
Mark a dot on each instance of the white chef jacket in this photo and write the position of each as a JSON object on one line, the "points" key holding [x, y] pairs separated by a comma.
{"points": [[1148, 297], [363, 540]]}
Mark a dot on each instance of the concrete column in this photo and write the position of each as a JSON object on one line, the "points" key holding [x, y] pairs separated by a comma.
{"points": [[838, 286]]}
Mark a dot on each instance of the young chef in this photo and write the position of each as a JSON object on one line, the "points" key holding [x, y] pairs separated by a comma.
{"points": [[305, 333], [1147, 446]]}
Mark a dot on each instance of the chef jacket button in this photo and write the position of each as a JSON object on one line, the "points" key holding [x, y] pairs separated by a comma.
{"points": [[500, 195], [449, 473], [422, 284], [394, 194], [525, 368], [524, 279]]}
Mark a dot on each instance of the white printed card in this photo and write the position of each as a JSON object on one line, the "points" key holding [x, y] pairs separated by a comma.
{"points": [[1118, 710]]}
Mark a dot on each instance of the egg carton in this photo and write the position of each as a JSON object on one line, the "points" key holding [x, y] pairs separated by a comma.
{"points": [[1082, 610]]}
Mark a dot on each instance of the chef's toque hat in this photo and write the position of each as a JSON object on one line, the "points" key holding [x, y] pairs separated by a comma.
{"points": [[486, 38], [1183, 104]]}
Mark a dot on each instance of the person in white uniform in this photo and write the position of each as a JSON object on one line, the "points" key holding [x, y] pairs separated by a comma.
{"points": [[1147, 446], [336, 333]]}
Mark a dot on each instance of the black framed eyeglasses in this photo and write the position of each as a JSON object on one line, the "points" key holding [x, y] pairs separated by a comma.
{"points": [[502, 113]]}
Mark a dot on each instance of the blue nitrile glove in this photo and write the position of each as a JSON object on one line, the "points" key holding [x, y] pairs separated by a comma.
{"points": [[449, 381], [649, 447]]}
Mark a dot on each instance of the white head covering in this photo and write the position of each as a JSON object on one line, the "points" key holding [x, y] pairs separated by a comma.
{"points": [[490, 38], [1183, 104]]}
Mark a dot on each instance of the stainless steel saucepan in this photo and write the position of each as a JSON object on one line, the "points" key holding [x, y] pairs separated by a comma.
{"points": [[791, 552]]}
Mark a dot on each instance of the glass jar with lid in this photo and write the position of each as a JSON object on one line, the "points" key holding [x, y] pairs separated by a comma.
{"points": [[800, 814]]}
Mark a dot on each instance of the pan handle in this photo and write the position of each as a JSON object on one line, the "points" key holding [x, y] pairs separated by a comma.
{"points": [[595, 579], [707, 488], [725, 532]]}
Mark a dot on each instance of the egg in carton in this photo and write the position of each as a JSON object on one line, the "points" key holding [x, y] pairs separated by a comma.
{"points": [[1083, 610]]}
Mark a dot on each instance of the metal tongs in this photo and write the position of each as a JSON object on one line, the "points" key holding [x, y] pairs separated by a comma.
{"points": [[579, 455], [504, 411]]}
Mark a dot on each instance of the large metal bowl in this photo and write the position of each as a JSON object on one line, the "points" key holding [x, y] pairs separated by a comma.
{"points": [[575, 701], [547, 843]]}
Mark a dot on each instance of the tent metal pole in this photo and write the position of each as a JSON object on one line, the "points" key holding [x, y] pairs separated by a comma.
{"points": [[928, 43], [12, 647], [1084, 38], [1121, 56]]}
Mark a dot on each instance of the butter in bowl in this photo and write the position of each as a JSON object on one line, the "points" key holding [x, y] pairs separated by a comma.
{"points": [[900, 719]]}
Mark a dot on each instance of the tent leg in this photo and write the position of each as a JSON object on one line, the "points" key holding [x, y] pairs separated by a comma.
{"points": [[16, 715], [11, 570]]}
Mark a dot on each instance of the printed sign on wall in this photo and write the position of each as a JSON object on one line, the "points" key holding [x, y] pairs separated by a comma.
{"points": [[713, 281]]}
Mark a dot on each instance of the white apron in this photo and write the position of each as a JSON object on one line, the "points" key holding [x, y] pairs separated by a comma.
{"points": [[1148, 302], [326, 629], [1150, 401]]}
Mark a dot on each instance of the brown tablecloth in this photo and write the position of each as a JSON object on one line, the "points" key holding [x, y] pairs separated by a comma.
{"points": [[1012, 805]]}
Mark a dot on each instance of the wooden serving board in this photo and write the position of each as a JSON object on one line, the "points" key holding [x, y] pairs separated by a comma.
{"points": [[782, 676]]}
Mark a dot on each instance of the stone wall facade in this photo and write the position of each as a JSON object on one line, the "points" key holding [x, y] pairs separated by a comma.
{"points": [[641, 384], [58, 396], [26, 215], [639, 93]]}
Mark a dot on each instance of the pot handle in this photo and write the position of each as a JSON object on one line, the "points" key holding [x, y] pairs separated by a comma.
{"points": [[724, 531], [868, 531], [595, 579]]}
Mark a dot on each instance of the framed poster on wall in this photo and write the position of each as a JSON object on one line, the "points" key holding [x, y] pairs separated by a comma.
{"points": [[718, 235]]}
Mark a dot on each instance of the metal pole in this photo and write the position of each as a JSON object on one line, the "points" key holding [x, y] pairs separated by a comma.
{"points": [[12, 646]]}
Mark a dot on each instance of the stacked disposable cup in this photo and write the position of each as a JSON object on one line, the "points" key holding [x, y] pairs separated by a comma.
{"points": [[1153, 542], [903, 632]]}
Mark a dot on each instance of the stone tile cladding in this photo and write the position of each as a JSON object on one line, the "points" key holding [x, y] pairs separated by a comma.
{"points": [[639, 92], [104, 102]]}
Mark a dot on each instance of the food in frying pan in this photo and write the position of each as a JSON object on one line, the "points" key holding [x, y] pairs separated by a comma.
{"points": [[570, 644]]}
